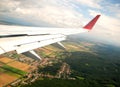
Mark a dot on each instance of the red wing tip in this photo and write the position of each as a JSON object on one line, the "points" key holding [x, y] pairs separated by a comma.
{"points": [[99, 15], [90, 25]]}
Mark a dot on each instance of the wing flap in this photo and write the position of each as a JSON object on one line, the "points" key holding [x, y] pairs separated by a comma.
{"points": [[30, 46], [23, 44], [1, 51]]}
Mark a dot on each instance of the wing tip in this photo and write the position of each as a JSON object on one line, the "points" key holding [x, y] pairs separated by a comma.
{"points": [[91, 24]]}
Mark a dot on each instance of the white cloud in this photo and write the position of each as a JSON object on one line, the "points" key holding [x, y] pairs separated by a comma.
{"points": [[8, 5], [107, 22], [90, 3], [114, 9], [108, 27], [48, 11], [60, 16], [63, 13]]}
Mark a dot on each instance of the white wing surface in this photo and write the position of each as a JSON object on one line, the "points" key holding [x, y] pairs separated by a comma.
{"points": [[25, 39]]}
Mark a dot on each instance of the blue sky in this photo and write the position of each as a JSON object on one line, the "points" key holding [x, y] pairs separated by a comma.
{"points": [[66, 13]]}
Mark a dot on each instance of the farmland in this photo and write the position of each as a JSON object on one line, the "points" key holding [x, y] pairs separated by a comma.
{"points": [[83, 63], [11, 70]]}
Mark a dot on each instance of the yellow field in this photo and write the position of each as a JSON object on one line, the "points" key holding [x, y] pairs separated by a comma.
{"points": [[19, 65], [15, 64], [47, 52], [5, 60], [6, 79], [73, 47]]}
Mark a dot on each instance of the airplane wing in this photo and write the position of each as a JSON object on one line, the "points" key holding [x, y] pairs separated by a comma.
{"points": [[26, 39]]}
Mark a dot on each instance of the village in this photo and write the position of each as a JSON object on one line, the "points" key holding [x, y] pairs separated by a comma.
{"points": [[63, 73], [33, 69]]}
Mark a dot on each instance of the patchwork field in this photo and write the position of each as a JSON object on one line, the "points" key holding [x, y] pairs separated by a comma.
{"points": [[15, 64], [11, 70], [19, 65]]}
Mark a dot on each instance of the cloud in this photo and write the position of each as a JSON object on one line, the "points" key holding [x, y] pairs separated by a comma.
{"points": [[114, 8], [65, 13], [53, 12], [107, 22], [91, 3], [108, 27]]}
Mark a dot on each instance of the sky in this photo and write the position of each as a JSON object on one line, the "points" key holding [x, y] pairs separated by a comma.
{"points": [[65, 13]]}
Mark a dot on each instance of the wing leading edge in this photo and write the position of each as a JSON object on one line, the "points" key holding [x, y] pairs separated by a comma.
{"points": [[25, 39]]}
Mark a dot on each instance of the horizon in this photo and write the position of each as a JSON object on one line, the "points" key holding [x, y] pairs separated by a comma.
{"points": [[64, 13]]}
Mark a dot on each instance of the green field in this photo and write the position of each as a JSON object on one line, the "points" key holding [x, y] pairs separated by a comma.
{"points": [[12, 71]]}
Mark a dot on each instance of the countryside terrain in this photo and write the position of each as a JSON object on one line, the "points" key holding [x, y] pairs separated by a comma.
{"points": [[83, 63]]}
